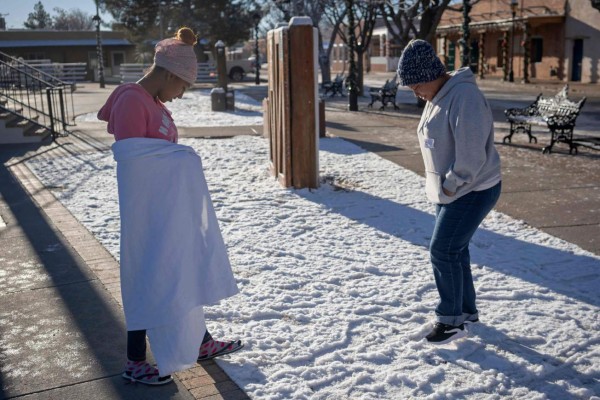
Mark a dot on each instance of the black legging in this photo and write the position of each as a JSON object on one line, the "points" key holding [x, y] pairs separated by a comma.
{"points": [[136, 344]]}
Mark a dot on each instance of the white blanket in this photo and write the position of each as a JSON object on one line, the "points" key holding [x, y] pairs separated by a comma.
{"points": [[173, 258]]}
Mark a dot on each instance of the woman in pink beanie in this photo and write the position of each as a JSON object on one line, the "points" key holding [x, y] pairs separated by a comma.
{"points": [[137, 109], [173, 260]]}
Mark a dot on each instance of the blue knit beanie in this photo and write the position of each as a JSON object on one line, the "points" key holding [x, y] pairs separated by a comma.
{"points": [[419, 64]]}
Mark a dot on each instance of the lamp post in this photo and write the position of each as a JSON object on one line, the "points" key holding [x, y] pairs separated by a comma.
{"points": [[96, 19], [466, 38], [513, 8], [257, 17], [221, 65], [351, 80]]}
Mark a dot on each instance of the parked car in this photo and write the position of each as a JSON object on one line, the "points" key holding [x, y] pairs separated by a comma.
{"points": [[236, 69]]}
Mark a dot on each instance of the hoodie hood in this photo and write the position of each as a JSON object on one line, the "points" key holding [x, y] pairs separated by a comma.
{"points": [[462, 76]]}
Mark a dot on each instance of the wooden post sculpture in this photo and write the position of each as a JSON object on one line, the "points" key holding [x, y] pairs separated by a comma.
{"points": [[292, 120]]}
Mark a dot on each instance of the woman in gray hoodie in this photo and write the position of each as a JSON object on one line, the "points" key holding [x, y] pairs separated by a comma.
{"points": [[462, 167]]}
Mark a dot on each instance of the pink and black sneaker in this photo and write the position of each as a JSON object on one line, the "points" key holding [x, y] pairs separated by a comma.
{"points": [[142, 372], [211, 348]]}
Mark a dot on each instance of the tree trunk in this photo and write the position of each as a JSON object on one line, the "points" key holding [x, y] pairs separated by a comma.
{"points": [[324, 61], [325, 65], [360, 75]]}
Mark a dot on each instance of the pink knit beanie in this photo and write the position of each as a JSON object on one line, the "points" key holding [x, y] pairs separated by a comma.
{"points": [[177, 56]]}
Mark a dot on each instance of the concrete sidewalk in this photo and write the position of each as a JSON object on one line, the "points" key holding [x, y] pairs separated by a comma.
{"points": [[62, 333], [62, 330]]}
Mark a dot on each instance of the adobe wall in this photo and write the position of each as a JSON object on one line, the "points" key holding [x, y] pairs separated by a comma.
{"points": [[583, 23]]}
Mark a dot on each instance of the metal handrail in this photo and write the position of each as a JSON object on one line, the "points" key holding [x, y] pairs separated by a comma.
{"points": [[35, 96], [54, 81]]}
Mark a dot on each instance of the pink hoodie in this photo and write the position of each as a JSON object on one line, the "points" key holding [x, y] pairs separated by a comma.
{"points": [[131, 112]]}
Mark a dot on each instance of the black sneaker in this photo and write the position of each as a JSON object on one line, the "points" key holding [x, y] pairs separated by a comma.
{"points": [[443, 333]]}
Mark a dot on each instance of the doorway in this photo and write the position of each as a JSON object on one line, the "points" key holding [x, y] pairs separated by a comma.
{"points": [[117, 58], [474, 56], [577, 59]]}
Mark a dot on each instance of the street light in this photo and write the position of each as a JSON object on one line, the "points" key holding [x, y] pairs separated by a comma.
{"points": [[466, 39], [96, 19], [351, 80], [221, 64], [257, 17], [513, 8]]}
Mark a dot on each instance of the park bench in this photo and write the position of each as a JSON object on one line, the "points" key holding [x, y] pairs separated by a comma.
{"points": [[385, 94], [334, 87], [207, 72], [557, 113]]}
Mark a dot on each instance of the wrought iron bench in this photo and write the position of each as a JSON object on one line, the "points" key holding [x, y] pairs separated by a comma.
{"points": [[557, 113], [385, 94], [334, 87]]}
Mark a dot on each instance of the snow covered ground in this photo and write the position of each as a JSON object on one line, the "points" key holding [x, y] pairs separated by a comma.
{"points": [[337, 290], [194, 109]]}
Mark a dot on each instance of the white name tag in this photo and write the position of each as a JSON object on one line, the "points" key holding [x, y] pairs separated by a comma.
{"points": [[429, 143]]}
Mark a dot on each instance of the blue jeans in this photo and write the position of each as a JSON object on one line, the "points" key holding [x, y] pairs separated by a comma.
{"points": [[455, 225]]}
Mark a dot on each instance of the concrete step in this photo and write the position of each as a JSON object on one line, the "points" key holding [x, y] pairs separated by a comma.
{"points": [[9, 113], [20, 122], [7, 116], [18, 130], [36, 130]]}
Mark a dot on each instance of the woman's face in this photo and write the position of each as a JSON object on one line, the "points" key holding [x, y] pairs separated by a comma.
{"points": [[428, 90], [173, 88], [423, 90]]}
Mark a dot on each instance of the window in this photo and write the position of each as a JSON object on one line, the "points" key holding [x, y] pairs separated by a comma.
{"points": [[537, 49], [118, 58], [375, 46]]}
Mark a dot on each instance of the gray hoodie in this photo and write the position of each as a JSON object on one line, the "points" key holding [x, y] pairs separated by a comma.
{"points": [[456, 134]]}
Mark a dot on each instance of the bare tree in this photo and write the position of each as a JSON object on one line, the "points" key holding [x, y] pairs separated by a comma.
{"points": [[356, 32], [335, 24], [413, 19], [73, 20], [315, 9], [406, 19]]}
